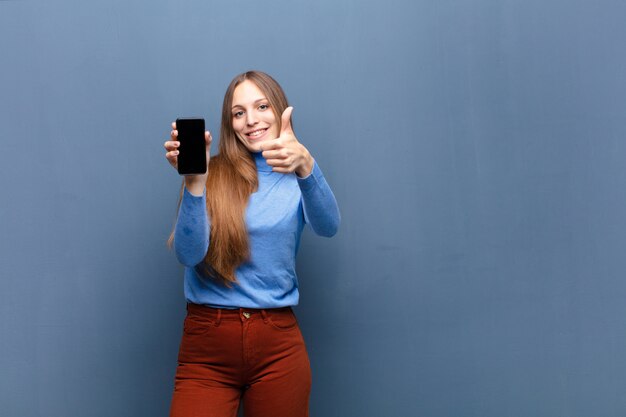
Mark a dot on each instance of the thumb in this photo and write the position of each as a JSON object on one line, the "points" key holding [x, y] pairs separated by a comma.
{"points": [[285, 121]]}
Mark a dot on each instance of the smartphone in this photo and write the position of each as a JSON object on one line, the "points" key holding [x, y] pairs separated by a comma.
{"points": [[192, 150]]}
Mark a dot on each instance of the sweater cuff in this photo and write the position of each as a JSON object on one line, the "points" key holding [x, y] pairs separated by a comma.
{"points": [[312, 179], [193, 205]]}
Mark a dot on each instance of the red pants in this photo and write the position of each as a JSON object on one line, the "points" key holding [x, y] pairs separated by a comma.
{"points": [[255, 355]]}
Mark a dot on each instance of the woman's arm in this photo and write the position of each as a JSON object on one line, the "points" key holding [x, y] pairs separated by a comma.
{"points": [[286, 154], [318, 201], [191, 236]]}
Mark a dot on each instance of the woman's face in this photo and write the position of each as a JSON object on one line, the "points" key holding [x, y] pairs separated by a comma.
{"points": [[253, 119]]}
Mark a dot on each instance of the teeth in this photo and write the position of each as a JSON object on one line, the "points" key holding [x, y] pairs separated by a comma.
{"points": [[256, 133]]}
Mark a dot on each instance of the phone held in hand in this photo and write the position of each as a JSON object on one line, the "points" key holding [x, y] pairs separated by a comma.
{"points": [[192, 150]]}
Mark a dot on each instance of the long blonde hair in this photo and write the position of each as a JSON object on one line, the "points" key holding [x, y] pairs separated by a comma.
{"points": [[232, 178]]}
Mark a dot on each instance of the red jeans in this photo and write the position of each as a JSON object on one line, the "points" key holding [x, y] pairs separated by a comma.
{"points": [[255, 355]]}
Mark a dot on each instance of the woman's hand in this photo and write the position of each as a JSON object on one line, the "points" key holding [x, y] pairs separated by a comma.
{"points": [[194, 183], [285, 154]]}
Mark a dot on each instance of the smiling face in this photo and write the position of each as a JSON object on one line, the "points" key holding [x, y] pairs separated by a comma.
{"points": [[253, 118]]}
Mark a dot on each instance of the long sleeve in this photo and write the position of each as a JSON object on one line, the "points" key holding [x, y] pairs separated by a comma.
{"points": [[318, 201], [275, 217], [191, 237]]}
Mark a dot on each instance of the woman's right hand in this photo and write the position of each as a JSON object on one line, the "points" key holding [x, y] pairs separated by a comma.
{"points": [[194, 183]]}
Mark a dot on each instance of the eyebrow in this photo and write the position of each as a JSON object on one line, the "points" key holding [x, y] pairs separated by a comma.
{"points": [[256, 101]]}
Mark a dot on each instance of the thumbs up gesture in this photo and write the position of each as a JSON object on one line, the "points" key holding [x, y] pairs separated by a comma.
{"points": [[285, 154]]}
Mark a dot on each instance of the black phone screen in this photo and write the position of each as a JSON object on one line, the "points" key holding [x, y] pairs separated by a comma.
{"points": [[192, 150]]}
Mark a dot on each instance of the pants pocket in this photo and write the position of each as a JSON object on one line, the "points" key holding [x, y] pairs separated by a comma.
{"points": [[283, 320]]}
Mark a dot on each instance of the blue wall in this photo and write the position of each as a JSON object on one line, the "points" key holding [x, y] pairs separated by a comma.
{"points": [[477, 151]]}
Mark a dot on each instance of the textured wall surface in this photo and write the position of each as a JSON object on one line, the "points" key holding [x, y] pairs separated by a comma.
{"points": [[476, 148]]}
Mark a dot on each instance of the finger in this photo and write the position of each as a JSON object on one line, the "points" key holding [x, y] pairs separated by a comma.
{"points": [[208, 137], [171, 145], [274, 154], [174, 134], [268, 145], [285, 121], [282, 170], [172, 157], [279, 162], [174, 125]]}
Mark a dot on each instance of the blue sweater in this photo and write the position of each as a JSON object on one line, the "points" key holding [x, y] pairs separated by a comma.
{"points": [[275, 216]]}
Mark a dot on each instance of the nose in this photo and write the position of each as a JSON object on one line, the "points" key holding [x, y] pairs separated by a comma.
{"points": [[251, 118]]}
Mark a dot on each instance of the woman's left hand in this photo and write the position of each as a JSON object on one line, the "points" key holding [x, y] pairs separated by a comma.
{"points": [[285, 154]]}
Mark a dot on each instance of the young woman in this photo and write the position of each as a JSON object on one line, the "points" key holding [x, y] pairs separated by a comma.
{"points": [[237, 233]]}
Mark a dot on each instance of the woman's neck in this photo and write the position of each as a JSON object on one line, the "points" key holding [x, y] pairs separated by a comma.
{"points": [[261, 163]]}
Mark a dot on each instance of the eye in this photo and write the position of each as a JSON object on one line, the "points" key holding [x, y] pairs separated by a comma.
{"points": [[238, 114], [264, 106]]}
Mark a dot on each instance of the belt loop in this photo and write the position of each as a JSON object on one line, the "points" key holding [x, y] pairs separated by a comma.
{"points": [[219, 317], [264, 314]]}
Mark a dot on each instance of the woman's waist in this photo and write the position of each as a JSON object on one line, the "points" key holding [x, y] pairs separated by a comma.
{"points": [[240, 313]]}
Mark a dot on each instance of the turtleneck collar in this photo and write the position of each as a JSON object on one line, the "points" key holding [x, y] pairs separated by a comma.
{"points": [[261, 163]]}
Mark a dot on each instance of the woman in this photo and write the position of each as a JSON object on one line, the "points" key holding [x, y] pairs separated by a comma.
{"points": [[237, 233]]}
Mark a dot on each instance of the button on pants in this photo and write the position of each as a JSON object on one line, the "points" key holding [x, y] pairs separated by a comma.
{"points": [[256, 356]]}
